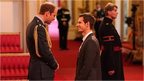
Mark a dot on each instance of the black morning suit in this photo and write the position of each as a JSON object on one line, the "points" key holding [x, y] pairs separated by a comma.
{"points": [[111, 57], [88, 62], [63, 15], [40, 68]]}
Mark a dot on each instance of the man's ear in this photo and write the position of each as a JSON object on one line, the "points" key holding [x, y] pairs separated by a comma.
{"points": [[87, 24], [47, 13], [108, 12]]}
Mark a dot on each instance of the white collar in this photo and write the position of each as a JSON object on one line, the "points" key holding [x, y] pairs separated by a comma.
{"points": [[84, 38], [40, 18]]}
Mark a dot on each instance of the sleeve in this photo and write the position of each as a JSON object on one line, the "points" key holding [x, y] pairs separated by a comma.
{"points": [[108, 42], [68, 16], [59, 15], [92, 52], [44, 50]]}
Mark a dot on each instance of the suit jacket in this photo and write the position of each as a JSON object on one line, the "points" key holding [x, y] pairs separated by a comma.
{"points": [[88, 62], [39, 67]]}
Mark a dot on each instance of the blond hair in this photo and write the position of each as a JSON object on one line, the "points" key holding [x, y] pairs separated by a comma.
{"points": [[109, 7]]}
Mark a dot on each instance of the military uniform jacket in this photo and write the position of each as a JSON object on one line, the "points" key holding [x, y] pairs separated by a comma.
{"points": [[63, 15], [88, 62], [42, 66], [111, 57]]}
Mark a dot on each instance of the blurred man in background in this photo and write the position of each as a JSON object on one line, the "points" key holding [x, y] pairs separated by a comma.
{"points": [[98, 13], [63, 17]]}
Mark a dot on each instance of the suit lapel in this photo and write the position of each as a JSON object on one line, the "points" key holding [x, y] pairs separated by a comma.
{"points": [[89, 36], [83, 44]]}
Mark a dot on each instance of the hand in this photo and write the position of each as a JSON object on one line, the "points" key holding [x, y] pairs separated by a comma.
{"points": [[64, 23], [111, 72]]}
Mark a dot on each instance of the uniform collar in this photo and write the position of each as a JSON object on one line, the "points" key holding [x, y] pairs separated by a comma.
{"points": [[39, 19], [108, 20]]}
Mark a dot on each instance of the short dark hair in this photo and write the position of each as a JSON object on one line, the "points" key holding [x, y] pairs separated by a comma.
{"points": [[97, 3], [109, 7], [46, 7], [88, 18]]}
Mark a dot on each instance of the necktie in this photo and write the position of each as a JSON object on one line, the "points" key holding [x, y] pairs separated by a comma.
{"points": [[81, 45]]}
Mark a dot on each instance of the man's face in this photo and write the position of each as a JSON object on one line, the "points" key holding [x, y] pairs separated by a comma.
{"points": [[98, 6], [113, 14], [82, 27], [50, 16]]}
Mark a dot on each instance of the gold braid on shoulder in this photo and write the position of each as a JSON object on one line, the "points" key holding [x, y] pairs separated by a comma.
{"points": [[36, 39]]}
